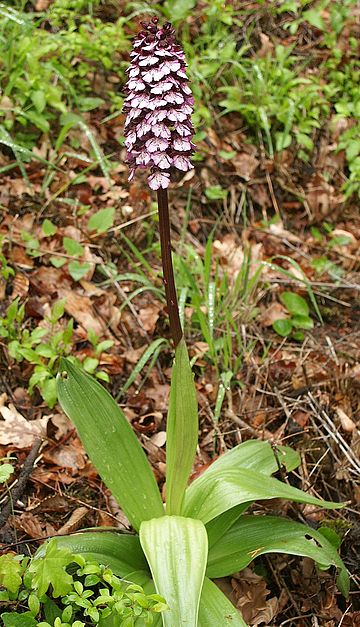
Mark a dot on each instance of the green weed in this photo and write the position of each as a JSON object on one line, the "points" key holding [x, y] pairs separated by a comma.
{"points": [[43, 347], [63, 589]]}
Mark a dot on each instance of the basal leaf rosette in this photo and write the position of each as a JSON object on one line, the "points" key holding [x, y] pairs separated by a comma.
{"points": [[158, 106]]}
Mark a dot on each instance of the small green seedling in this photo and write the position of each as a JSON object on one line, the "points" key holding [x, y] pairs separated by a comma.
{"points": [[60, 588], [299, 317], [45, 345]]}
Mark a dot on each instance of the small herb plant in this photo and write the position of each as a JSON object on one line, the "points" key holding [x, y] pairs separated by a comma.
{"points": [[61, 588], [298, 316], [6, 469], [45, 345], [203, 530]]}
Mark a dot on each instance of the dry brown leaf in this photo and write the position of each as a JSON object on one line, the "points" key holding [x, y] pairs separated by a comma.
{"points": [[274, 312], [62, 425], [20, 285], [67, 456], [251, 598], [231, 255], [267, 47], [149, 316], [74, 521], [347, 424], [55, 503], [16, 430], [33, 526], [245, 165], [159, 438], [80, 307]]}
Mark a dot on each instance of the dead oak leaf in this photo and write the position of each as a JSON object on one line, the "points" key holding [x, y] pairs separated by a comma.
{"points": [[251, 594], [149, 316], [18, 431], [245, 165]]}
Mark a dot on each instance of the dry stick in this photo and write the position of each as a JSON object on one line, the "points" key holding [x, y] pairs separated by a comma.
{"points": [[168, 273], [18, 490]]}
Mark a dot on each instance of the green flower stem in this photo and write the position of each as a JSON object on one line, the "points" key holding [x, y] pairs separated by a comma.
{"points": [[168, 273]]}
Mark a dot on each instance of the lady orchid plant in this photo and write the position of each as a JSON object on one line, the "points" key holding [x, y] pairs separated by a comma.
{"points": [[202, 531]]}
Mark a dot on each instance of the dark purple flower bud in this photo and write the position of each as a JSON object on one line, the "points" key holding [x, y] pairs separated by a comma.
{"points": [[158, 106]]}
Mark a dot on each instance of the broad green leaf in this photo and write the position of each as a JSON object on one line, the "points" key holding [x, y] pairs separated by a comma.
{"points": [[253, 454], [73, 247], [6, 470], [216, 527], [283, 326], [224, 490], [251, 536], [182, 430], [121, 552], [216, 610], [176, 550], [48, 228], [50, 570], [303, 322], [295, 304], [110, 443], [25, 619], [102, 220], [10, 569], [77, 270]]}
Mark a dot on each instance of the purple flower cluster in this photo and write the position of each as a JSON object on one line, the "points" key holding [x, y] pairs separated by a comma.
{"points": [[158, 128]]}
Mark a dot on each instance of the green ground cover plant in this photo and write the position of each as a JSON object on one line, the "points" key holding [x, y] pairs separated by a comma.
{"points": [[43, 346], [61, 588]]}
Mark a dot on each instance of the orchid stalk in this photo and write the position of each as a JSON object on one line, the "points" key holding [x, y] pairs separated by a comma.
{"points": [[158, 130]]}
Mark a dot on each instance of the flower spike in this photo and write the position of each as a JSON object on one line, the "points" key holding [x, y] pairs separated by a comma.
{"points": [[158, 106]]}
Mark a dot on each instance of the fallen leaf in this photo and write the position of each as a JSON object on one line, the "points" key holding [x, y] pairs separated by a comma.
{"points": [[267, 47], [251, 594], [18, 431], [245, 165], [67, 456], [34, 527], [149, 316], [159, 439], [62, 424], [347, 424], [74, 521], [274, 312], [55, 503], [80, 307], [20, 285]]}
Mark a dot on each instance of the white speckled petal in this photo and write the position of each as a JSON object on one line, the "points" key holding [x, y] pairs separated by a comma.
{"points": [[159, 180]]}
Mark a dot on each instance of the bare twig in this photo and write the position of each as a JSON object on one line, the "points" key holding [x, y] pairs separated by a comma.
{"points": [[19, 488]]}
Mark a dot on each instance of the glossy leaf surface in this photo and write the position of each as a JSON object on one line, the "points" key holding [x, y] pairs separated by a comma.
{"points": [[110, 443], [121, 552], [222, 491], [176, 550], [251, 536], [182, 430], [216, 610]]}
